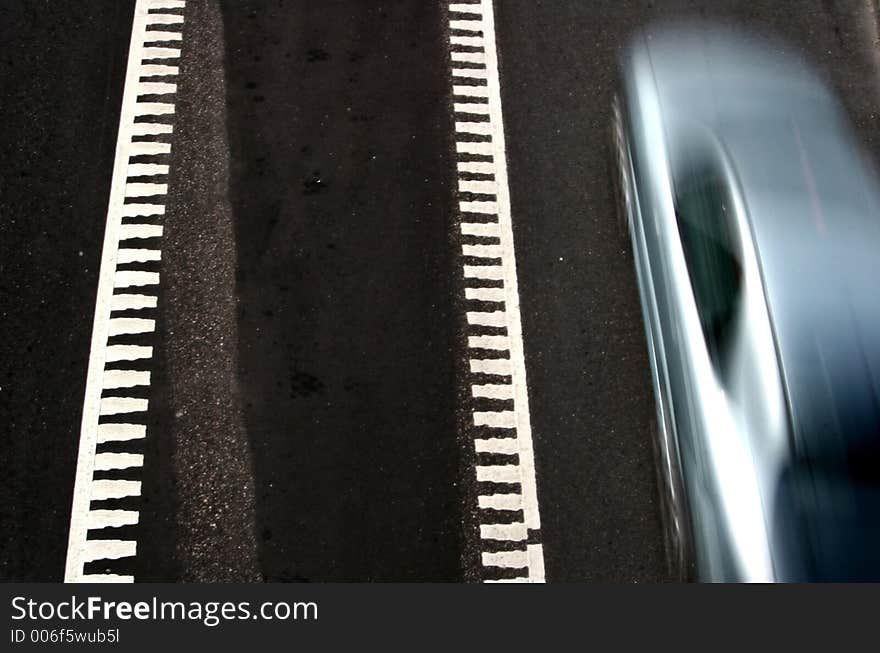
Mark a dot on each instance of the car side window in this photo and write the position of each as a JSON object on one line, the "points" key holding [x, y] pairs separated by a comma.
{"points": [[704, 213]]}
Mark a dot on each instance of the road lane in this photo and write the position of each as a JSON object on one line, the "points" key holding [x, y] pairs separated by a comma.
{"points": [[62, 67], [590, 389]]}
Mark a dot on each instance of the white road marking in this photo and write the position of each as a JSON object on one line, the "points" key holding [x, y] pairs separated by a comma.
{"points": [[506, 446], [117, 353], [487, 157], [510, 532], [489, 342], [107, 461], [112, 518], [492, 390], [485, 294], [501, 502], [113, 432], [96, 429], [498, 366]]}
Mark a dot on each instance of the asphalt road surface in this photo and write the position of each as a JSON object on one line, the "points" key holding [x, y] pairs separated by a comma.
{"points": [[310, 402]]}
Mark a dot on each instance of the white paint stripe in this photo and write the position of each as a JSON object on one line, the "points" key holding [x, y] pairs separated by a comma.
{"points": [[489, 208], [536, 563], [144, 148], [150, 129], [161, 53], [462, 8], [514, 326], [507, 559], [146, 169], [470, 73], [105, 578], [516, 418], [120, 326], [483, 186], [130, 231], [130, 278], [116, 353], [499, 343], [482, 251], [492, 272], [485, 294], [470, 91], [498, 473], [158, 70], [121, 432], [107, 461], [467, 25], [471, 107], [482, 128], [487, 318], [108, 550], [138, 255], [484, 167], [112, 518], [500, 502], [114, 379], [492, 391], [498, 366], [474, 148], [153, 35], [164, 19], [114, 489], [153, 108], [469, 57], [122, 406], [507, 446], [136, 189], [486, 229], [518, 579], [507, 532], [137, 209], [166, 4], [156, 88], [501, 419], [476, 41]]}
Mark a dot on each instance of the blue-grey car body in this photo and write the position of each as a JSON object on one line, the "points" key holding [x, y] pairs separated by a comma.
{"points": [[767, 391]]}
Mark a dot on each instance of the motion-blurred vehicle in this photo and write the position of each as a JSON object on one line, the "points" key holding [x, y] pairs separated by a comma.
{"points": [[754, 219]]}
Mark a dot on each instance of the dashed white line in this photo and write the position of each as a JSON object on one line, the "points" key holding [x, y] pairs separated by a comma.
{"points": [[500, 414], [122, 367]]}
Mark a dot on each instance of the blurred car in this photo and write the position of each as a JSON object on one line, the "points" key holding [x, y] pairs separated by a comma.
{"points": [[754, 219]]}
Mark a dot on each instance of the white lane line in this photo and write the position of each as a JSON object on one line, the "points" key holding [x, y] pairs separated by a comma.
{"points": [[97, 427], [116, 353], [108, 461], [134, 210], [511, 532], [507, 446], [482, 251], [485, 294], [483, 186], [112, 518], [501, 501], [492, 390], [500, 343], [497, 366], [120, 432], [488, 157], [491, 319], [489, 272]]}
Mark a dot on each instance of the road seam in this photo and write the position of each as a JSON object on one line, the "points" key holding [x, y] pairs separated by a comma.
{"points": [[115, 406], [509, 520]]}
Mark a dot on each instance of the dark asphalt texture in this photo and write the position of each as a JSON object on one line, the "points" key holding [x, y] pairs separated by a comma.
{"points": [[307, 397]]}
